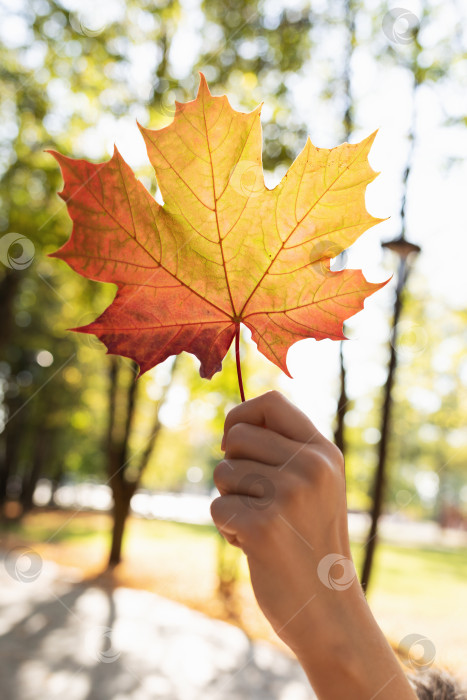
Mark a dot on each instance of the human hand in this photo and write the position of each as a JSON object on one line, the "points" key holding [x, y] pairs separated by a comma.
{"points": [[283, 502]]}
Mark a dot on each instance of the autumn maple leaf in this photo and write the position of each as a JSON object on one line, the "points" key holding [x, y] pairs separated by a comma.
{"points": [[223, 249]]}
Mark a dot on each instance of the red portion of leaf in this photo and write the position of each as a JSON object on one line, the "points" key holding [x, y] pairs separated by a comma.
{"points": [[148, 324], [223, 249], [153, 315]]}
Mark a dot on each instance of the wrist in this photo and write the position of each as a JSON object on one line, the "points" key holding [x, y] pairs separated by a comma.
{"points": [[329, 623], [345, 654]]}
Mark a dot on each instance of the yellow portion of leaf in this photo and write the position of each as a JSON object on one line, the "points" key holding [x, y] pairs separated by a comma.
{"points": [[223, 249]]}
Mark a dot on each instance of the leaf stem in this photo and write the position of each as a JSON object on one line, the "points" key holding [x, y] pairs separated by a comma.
{"points": [[237, 358]]}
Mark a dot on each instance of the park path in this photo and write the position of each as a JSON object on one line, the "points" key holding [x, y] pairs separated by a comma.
{"points": [[62, 638]]}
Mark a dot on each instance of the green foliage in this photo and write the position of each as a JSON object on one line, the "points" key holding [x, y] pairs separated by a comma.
{"points": [[257, 54], [68, 84], [428, 440], [195, 413]]}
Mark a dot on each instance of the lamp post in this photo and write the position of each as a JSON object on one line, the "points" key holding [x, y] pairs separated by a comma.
{"points": [[406, 252]]}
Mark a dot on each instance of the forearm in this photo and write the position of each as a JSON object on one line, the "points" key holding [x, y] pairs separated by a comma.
{"points": [[282, 487], [351, 658]]}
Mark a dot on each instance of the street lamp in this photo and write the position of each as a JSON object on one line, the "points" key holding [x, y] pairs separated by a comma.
{"points": [[406, 251]]}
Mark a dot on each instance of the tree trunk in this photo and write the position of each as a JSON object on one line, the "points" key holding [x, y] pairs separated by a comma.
{"points": [[348, 126], [30, 480], [4, 472], [8, 289], [122, 497], [55, 480], [9, 456], [117, 459], [379, 483], [380, 476], [339, 437]]}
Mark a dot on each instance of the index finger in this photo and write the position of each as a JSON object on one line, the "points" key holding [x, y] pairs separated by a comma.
{"points": [[272, 410]]}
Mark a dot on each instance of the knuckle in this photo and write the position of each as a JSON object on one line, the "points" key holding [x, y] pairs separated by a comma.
{"points": [[236, 434], [217, 509], [304, 457], [274, 396], [333, 457], [260, 487], [321, 467], [220, 473], [316, 466], [231, 415], [292, 492], [337, 457], [305, 460]]}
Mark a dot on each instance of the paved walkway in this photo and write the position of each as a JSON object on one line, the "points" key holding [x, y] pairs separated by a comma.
{"points": [[63, 639]]}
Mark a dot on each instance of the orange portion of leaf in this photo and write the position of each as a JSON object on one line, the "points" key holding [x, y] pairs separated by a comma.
{"points": [[223, 249]]}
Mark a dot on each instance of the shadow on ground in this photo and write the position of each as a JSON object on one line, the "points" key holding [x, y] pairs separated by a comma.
{"points": [[61, 638]]}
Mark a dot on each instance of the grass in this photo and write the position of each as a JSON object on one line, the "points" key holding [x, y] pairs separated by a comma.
{"points": [[86, 527], [398, 569], [414, 589]]}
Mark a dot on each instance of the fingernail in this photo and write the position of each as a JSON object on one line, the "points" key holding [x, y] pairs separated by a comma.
{"points": [[223, 443]]}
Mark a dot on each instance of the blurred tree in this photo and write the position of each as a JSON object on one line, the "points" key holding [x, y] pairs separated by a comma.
{"points": [[348, 125], [68, 84], [429, 445], [427, 436], [257, 53], [407, 49], [55, 88], [125, 467], [33, 350]]}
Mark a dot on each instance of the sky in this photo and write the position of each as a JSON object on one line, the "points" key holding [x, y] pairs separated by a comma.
{"points": [[436, 212]]}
